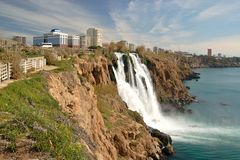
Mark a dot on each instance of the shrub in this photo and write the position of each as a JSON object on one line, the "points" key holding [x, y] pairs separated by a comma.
{"points": [[51, 58], [1, 50], [15, 59]]}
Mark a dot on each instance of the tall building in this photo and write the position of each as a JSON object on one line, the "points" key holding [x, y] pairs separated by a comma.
{"points": [[155, 49], [56, 37], [131, 47], [94, 37], [37, 41], [20, 39], [209, 51], [73, 41], [83, 41]]}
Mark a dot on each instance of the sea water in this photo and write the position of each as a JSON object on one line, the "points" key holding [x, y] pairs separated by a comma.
{"points": [[217, 112], [211, 132]]}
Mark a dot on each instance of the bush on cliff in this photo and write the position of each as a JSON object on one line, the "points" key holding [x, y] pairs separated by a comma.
{"points": [[15, 59], [51, 58]]}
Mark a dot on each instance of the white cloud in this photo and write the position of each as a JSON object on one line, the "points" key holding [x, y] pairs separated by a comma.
{"points": [[187, 4], [69, 16], [144, 22], [219, 10]]}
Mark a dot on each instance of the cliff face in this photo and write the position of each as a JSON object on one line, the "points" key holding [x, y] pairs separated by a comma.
{"points": [[167, 73], [80, 103], [95, 70], [108, 130]]}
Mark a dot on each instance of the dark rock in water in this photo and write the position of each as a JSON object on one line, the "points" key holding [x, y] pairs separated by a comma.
{"points": [[193, 75], [188, 87], [224, 104], [165, 141]]}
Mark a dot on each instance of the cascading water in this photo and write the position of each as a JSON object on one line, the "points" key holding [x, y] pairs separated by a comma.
{"points": [[138, 92]]}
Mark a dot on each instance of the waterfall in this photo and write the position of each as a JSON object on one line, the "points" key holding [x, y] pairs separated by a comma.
{"points": [[139, 92]]}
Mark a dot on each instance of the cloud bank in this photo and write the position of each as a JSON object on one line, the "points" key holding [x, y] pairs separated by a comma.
{"points": [[187, 25]]}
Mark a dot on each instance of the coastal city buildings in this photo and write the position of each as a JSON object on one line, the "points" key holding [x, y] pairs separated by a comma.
{"points": [[209, 51], [20, 39], [83, 41], [131, 47], [73, 41], [155, 49], [94, 37], [56, 37]]}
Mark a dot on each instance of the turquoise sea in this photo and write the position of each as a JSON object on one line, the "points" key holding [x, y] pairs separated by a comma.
{"points": [[215, 121]]}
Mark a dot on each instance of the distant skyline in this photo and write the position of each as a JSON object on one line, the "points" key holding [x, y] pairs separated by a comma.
{"points": [[187, 25]]}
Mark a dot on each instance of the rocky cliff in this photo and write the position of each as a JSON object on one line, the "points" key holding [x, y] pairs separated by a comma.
{"points": [[168, 73], [108, 130]]}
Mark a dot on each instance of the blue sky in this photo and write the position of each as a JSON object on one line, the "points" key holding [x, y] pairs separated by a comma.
{"points": [[189, 25]]}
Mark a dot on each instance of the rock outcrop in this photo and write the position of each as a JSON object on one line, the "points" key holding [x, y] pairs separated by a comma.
{"points": [[168, 75], [79, 101], [108, 130], [95, 70]]}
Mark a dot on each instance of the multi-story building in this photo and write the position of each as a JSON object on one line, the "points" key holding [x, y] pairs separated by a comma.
{"points": [[94, 37], [20, 39], [209, 52], [155, 49], [83, 41], [73, 41], [131, 47], [56, 37], [37, 41]]}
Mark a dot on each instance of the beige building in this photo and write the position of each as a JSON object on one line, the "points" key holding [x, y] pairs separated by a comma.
{"points": [[73, 41], [131, 47], [20, 39], [94, 37], [83, 41]]}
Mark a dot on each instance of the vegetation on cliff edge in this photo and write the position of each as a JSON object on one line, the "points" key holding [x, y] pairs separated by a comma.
{"points": [[28, 114]]}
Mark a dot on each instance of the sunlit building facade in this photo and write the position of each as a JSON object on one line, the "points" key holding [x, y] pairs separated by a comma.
{"points": [[56, 37], [94, 37], [73, 41]]}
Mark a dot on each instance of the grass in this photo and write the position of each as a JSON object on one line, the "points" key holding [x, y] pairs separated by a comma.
{"points": [[27, 111], [104, 92], [104, 95], [65, 65]]}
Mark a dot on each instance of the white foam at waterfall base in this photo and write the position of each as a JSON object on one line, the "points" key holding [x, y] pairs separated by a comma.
{"points": [[141, 97]]}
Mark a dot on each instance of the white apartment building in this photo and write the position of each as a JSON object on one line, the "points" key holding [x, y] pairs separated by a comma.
{"points": [[73, 41], [94, 37], [131, 47], [83, 41]]}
